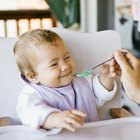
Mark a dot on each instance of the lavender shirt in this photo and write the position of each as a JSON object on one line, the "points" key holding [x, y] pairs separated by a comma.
{"points": [[37, 102]]}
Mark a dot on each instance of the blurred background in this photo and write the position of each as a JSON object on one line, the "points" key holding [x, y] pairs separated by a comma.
{"points": [[19, 16]]}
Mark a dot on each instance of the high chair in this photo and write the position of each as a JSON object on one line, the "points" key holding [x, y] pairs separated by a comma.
{"points": [[87, 49]]}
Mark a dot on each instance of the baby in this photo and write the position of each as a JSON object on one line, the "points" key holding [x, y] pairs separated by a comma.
{"points": [[54, 98]]}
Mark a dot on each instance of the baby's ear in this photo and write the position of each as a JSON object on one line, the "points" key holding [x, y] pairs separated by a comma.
{"points": [[32, 77]]}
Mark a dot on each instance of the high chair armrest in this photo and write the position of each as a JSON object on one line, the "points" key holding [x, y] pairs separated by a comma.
{"points": [[5, 121], [119, 113]]}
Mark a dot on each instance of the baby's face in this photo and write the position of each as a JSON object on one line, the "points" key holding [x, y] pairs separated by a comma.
{"points": [[55, 66]]}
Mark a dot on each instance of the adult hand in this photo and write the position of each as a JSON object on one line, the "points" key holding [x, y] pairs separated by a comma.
{"points": [[130, 74]]}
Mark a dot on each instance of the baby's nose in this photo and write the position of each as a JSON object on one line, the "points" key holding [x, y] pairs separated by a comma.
{"points": [[64, 67]]}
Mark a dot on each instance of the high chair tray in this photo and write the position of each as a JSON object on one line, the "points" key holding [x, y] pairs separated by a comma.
{"points": [[116, 129]]}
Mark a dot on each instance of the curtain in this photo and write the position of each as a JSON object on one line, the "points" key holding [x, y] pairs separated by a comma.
{"points": [[66, 11]]}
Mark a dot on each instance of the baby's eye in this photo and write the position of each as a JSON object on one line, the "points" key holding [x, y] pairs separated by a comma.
{"points": [[67, 58], [53, 65]]}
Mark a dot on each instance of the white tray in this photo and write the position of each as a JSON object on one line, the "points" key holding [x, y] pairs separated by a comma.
{"points": [[116, 129]]}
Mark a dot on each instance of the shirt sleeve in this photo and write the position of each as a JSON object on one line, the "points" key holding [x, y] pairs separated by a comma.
{"points": [[102, 94], [33, 111]]}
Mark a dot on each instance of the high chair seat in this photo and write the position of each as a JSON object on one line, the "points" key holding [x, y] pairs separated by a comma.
{"points": [[87, 49]]}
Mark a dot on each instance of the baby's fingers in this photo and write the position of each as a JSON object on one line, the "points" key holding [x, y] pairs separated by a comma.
{"points": [[68, 126], [74, 122], [113, 62], [115, 72], [79, 113], [114, 68], [79, 119]]}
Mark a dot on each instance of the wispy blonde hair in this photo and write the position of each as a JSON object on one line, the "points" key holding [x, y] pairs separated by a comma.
{"points": [[24, 48]]}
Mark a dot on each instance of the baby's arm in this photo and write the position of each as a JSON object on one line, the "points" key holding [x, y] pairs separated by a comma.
{"points": [[67, 119], [106, 81], [33, 111], [101, 93]]}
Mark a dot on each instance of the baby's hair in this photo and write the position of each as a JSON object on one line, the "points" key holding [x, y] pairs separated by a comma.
{"points": [[28, 43]]}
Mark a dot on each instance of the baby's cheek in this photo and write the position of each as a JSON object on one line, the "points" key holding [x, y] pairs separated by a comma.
{"points": [[73, 68], [54, 76]]}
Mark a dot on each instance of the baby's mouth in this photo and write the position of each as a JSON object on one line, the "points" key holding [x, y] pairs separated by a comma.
{"points": [[66, 74]]}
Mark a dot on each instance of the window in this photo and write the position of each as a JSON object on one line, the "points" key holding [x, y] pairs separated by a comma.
{"points": [[18, 16]]}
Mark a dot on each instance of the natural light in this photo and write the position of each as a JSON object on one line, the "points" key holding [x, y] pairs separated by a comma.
{"points": [[22, 4], [15, 27]]}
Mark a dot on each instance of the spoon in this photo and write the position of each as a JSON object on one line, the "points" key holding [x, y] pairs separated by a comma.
{"points": [[89, 71]]}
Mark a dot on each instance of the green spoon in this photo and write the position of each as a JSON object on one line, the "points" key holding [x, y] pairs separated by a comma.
{"points": [[89, 71]]}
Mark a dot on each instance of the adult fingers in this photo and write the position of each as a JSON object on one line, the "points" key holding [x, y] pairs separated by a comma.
{"points": [[133, 60], [130, 55], [121, 60]]}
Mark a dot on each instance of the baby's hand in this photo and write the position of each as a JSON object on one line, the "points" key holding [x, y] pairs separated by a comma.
{"points": [[111, 69], [108, 72], [115, 68], [70, 119]]}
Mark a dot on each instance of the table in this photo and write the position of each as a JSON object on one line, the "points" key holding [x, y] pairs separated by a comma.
{"points": [[116, 129]]}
